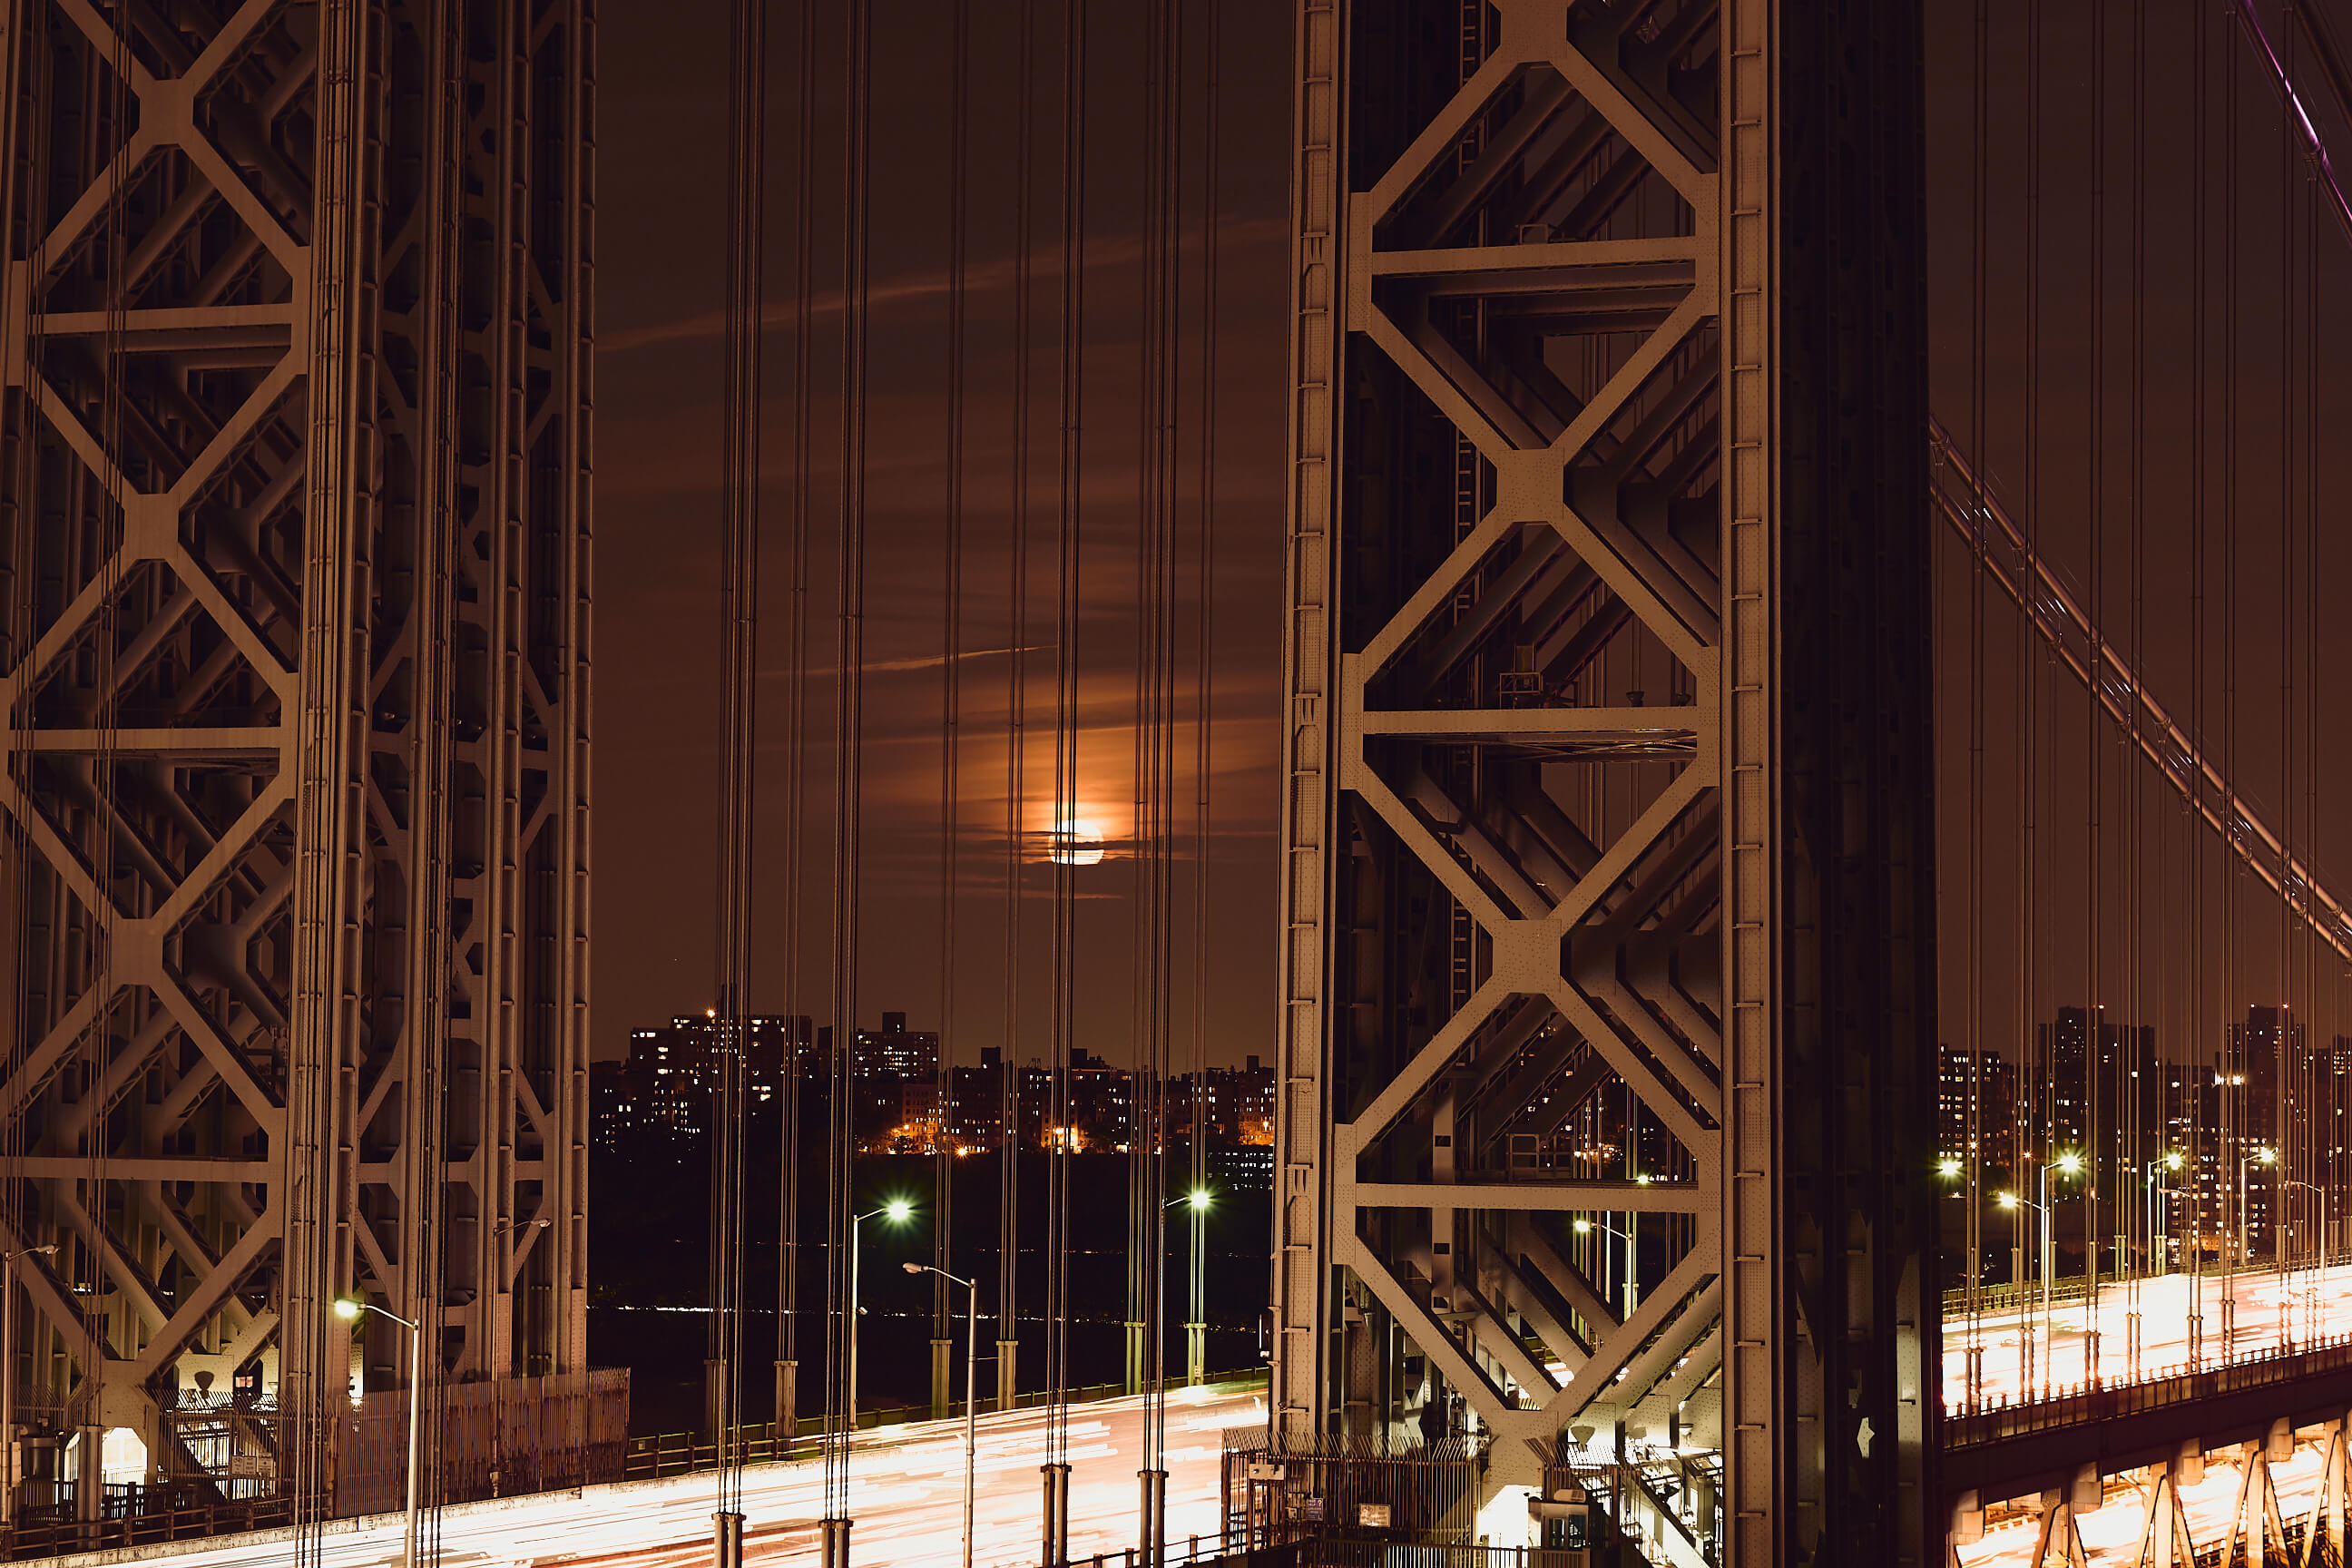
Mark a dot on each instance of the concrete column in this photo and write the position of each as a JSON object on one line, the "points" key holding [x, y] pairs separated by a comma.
{"points": [[942, 1387], [1967, 1520]]}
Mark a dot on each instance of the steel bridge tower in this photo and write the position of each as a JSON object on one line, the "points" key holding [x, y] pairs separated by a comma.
{"points": [[294, 676], [1606, 1001]]}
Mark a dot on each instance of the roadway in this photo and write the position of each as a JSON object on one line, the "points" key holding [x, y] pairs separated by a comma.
{"points": [[2264, 1311], [906, 1494]]}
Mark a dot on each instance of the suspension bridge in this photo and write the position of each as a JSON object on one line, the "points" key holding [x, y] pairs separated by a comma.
{"points": [[1810, 1017]]}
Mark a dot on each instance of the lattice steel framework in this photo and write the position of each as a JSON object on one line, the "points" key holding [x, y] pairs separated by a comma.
{"points": [[296, 682], [1607, 1036]]}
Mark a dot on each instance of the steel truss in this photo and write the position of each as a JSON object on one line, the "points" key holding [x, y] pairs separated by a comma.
{"points": [[296, 685], [1607, 878]]}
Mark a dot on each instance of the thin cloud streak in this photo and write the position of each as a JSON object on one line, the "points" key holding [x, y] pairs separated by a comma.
{"points": [[1125, 252]]}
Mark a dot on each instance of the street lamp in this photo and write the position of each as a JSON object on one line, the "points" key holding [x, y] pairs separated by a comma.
{"points": [[970, 1389], [896, 1211], [2156, 1229], [349, 1308], [8, 1375], [2068, 1165], [1585, 1227], [1196, 1326], [2264, 1156], [2311, 1303]]}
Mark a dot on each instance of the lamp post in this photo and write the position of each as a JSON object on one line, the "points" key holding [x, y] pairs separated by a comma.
{"points": [[896, 1211], [349, 1308], [970, 1390], [2156, 1229], [1196, 1325], [8, 1375], [2311, 1305], [1585, 1227], [1949, 1169], [2029, 1345], [497, 1383], [2068, 1165], [2266, 1157]]}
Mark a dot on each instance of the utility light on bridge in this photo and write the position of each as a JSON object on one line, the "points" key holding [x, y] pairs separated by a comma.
{"points": [[2070, 1163], [897, 1210], [1948, 1168], [2005, 1200]]}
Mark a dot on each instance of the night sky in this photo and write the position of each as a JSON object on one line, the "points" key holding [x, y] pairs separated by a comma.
{"points": [[660, 234], [661, 275]]}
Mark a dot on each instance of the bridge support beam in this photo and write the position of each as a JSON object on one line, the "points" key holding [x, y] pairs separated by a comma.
{"points": [[1607, 1048]]}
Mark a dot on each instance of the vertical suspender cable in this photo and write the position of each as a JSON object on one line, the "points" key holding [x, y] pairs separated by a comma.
{"points": [[1972, 1153], [1008, 1207], [2192, 1069], [1204, 736], [424, 1240], [950, 706], [1056, 1468], [738, 763], [2131, 1073], [848, 758], [2231, 1110], [2031, 659], [18, 621], [1156, 736], [92, 1050], [2093, 717], [2317, 1060], [799, 1040], [2279, 1072]]}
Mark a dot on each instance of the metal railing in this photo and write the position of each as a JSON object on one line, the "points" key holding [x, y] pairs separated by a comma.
{"points": [[53, 1532], [2077, 1404]]}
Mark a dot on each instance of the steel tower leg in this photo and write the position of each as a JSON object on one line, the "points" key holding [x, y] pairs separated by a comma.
{"points": [[1605, 833], [296, 441]]}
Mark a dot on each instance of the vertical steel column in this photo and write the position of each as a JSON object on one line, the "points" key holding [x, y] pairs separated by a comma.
{"points": [[1547, 1165], [344, 1005]]}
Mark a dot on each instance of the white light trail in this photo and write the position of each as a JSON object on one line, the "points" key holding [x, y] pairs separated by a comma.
{"points": [[905, 1491]]}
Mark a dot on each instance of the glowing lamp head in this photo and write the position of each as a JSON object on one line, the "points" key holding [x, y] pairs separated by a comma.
{"points": [[2006, 1200], [1948, 1168], [897, 1210], [2267, 1156], [2070, 1164], [347, 1309], [2172, 1161], [1583, 1228], [1199, 1199]]}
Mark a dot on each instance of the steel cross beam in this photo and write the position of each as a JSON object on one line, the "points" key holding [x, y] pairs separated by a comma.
{"points": [[1606, 1029], [294, 668]]}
